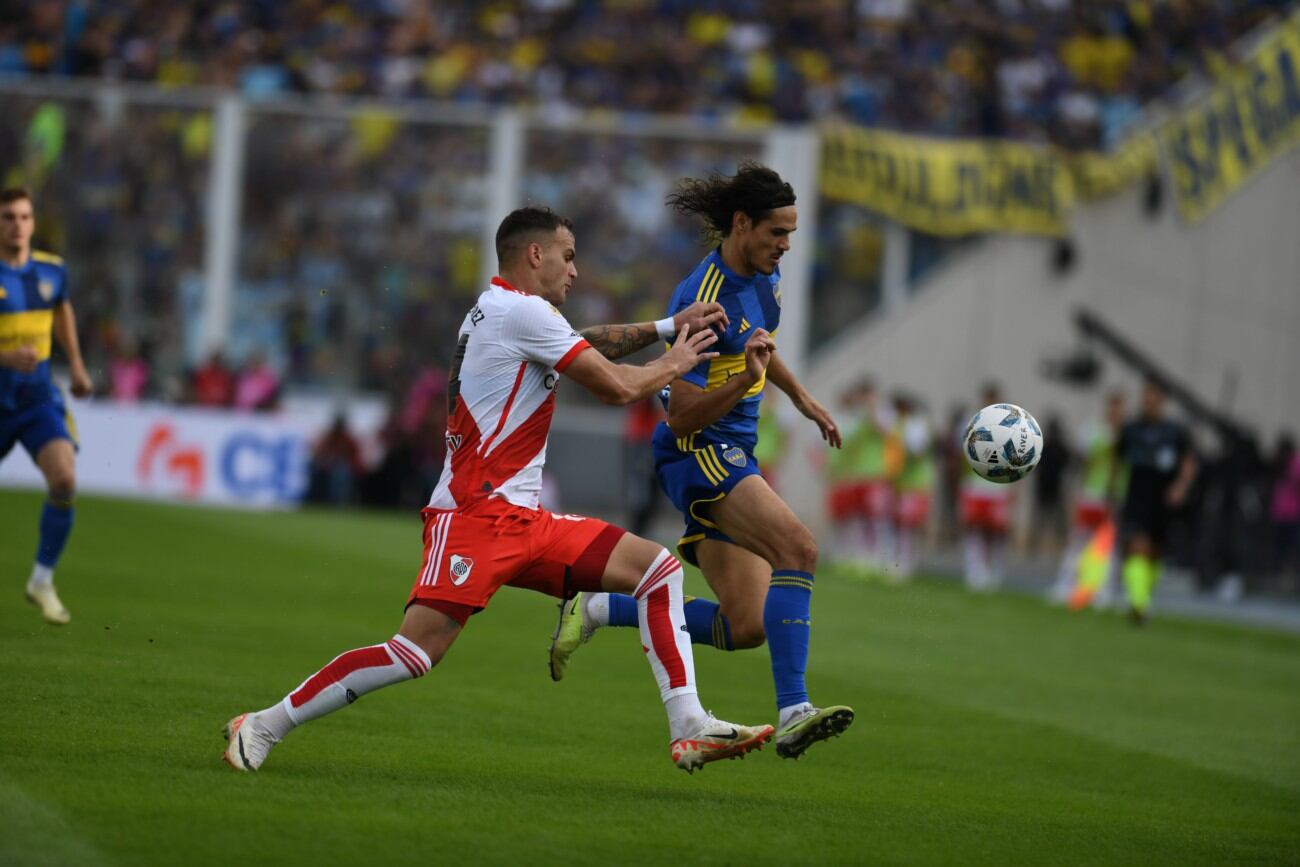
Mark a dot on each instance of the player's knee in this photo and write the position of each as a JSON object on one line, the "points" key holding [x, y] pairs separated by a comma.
{"points": [[798, 550], [62, 488]]}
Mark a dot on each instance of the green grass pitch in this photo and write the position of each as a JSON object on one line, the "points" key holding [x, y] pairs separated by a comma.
{"points": [[990, 730]]}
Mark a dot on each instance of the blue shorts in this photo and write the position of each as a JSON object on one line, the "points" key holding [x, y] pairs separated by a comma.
{"points": [[695, 473], [35, 426]]}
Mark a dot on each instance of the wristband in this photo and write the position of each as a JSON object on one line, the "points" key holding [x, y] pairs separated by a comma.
{"points": [[665, 328]]}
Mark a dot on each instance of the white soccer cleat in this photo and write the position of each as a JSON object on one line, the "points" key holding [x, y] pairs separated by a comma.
{"points": [[573, 630], [45, 598], [810, 726], [715, 740], [248, 744]]}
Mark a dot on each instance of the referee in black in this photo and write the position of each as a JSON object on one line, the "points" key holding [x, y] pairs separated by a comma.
{"points": [[1157, 454]]}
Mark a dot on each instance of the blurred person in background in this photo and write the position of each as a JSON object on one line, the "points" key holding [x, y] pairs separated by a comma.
{"points": [[128, 372], [641, 489], [1049, 520], [858, 489], [36, 311], [1096, 445], [951, 461], [985, 517], [1231, 497], [913, 484], [336, 465], [394, 481], [213, 384], [257, 387], [1157, 454], [1284, 506], [773, 443]]}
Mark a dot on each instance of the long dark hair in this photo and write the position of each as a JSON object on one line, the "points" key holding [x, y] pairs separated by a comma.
{"points": [[754, 189]]}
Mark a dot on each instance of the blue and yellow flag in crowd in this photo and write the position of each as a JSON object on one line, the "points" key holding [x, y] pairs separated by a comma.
{"points": [[1251, 117]]}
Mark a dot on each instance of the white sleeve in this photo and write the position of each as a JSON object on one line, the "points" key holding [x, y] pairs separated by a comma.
{"points": [[542, 334]]}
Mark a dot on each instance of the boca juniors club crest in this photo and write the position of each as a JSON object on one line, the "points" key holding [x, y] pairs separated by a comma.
{"points": [[46, 290], [734, 456], [460, 568]]}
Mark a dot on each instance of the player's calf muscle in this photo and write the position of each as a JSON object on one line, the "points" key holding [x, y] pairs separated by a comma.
{"points": [[746, 634]]}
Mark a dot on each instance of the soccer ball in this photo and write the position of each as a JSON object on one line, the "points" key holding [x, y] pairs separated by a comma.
{"points": [[1003, 443]]}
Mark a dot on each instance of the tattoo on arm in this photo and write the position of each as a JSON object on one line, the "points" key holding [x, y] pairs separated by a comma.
{"points": [[616, 341]]}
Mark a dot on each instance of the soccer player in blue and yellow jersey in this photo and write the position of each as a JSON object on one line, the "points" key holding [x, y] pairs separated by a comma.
{"points": [[33, 306], [753, 550]]}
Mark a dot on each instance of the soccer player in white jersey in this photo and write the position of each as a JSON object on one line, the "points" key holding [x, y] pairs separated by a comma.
{"points": [[484, 527]]}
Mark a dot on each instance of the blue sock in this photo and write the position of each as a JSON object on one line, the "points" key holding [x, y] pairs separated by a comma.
{"points": [[787, 618], [704, 621], [622, 610], [706, 624], [56, 524]]}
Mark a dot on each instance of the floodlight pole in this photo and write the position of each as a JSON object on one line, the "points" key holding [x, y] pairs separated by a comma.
{"points": [[225, 194], [793, 153], [505, 183]]}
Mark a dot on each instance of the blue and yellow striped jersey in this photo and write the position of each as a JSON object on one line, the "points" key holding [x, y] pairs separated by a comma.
{"points": [[750, 302], [28, 296]]}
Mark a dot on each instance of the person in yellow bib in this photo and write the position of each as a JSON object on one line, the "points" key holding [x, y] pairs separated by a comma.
{"points": [[856, 481], [35, 311], [913, 484], [859, 494], [1091, 512]]}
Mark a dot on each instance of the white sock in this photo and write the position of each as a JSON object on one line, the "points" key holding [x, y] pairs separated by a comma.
{"points": [[348, 677], [997, 560], [906, 551], [667, 644], [42, 576], [883, 531], [685, 715], [275, 720], [597, 609], [787, 713], [973, 551]]}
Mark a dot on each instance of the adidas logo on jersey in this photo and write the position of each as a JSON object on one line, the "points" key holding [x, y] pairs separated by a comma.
{"points": [[460, 569]]}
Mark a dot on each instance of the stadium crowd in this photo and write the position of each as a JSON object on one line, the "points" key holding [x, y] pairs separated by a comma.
{"points": [[1069, 71]]}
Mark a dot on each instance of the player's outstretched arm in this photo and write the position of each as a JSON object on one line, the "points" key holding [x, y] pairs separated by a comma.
{"points": [[691, 408], [65, 331], [784, 379], [622, 384], [616, 341]]}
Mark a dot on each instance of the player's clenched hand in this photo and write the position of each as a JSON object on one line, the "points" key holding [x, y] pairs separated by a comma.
{"points": [[81, 384], [689, 349], [23, 359], [700, 316], [809, 406], [758, 352]]}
